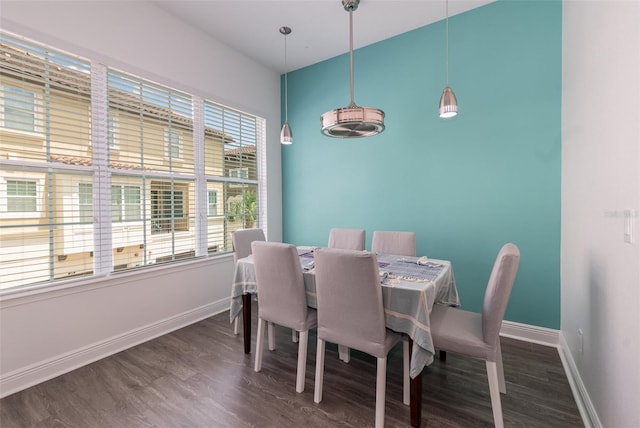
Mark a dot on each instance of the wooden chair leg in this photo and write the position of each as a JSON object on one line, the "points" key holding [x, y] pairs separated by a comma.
{"points": [[406, 395]]}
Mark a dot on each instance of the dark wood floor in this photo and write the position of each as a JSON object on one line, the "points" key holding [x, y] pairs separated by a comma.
{"points": [[199, 377]]}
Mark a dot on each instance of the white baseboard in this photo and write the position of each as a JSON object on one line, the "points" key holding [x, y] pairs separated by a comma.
{"points": [[26, 377], [554, 338], [583, 401], [530, 333]]}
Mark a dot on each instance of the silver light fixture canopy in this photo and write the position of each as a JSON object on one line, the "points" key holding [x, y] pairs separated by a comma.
{"points": [[352, 121]]}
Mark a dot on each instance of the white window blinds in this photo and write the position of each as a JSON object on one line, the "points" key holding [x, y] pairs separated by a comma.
{"points": [[100, 169], [46, 220]]}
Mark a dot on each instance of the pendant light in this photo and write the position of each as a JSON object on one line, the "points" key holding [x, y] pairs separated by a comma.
{"points": [[448, 102], [286, 137], [352, 121]]}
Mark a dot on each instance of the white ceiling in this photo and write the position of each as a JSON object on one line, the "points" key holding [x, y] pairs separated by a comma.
{"points": [[320, 28]]}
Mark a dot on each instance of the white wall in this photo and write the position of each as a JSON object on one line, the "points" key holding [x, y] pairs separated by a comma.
{"points": [[50, 332], [600, 273]]}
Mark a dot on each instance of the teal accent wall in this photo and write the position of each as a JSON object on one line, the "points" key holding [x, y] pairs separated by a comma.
{"points": [[466, 185]]}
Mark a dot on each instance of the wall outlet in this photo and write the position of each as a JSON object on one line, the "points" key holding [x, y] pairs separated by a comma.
{"points": [[580, 341]]}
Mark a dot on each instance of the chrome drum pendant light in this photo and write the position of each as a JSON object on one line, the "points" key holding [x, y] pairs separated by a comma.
{"points": [[352, 121], [286, 137], [448, 102]]}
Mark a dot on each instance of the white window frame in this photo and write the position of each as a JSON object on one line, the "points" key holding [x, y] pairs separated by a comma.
{"points": [[39, 179], [37, 110]]}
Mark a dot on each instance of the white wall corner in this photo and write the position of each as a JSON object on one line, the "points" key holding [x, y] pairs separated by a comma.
{"points": [[580, 394]]}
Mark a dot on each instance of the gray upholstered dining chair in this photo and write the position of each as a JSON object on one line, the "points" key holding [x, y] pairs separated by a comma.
{"points": [[282, 298], [478, 335], [242, 240], [347, 239], [398, 243], [351, 313]]}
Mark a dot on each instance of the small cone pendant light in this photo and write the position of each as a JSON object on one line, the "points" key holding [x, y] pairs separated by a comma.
{"points": [[448, 102], [286, 137]]}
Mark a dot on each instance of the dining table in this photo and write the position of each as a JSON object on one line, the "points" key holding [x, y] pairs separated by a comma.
{"points": [[410, 288]]}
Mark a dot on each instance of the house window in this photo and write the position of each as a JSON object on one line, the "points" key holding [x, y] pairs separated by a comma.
{"points": [[213, 202], [85, 202], [112, 132], [21, 196], [18, 108], [168, 209], [239, 173], [131, 202], [173, 141], [125, 203], [116, 203]]}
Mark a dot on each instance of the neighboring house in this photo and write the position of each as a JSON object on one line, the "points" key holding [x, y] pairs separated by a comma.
{"points": [[51, 223]]}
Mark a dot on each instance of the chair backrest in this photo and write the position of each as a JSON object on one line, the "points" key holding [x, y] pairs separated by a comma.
{"points": [[242, 240], [349, 297], [498, 291], [346, 239], [282, 297], [398, 243]]}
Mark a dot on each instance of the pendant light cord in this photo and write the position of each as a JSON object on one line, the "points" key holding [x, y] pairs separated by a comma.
{"points": [[286, 83], [447, 42], [352, 103]]}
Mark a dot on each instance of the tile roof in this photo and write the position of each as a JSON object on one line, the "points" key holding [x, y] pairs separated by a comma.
{"points": [[75, 160]]}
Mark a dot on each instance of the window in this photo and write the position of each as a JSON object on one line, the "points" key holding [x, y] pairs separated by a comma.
{"points": [[85, 202], [112, 133], [131, 203], [131, 171], [168, 208], [239, 173], [116, 203], [174, 146], [213, 203], [21, 196], [125, 203], [18, 108]]}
